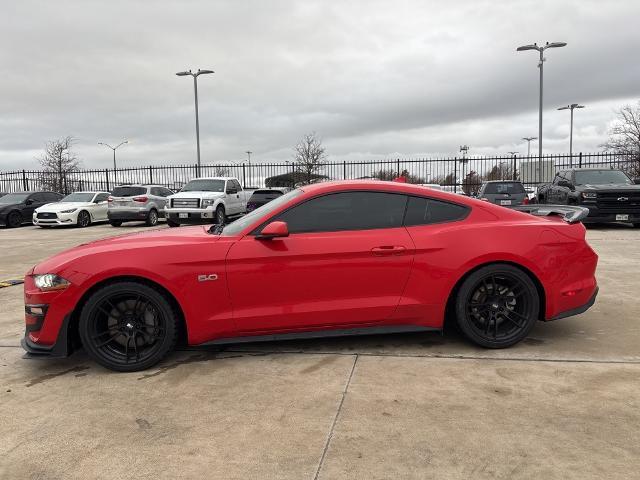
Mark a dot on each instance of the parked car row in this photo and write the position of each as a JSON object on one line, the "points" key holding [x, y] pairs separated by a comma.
{"points": [[202, 200]]}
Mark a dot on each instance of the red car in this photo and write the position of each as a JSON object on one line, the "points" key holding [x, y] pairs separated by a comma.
{"points": [[343, 258]]}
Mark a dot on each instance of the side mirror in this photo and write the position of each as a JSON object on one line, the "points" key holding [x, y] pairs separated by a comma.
{"points": [[566, 184], [29, 201], [274, 230]]}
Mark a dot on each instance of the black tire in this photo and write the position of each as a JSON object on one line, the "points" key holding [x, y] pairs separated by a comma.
{"points": [[14, 219], [221, 217], [636, 225], [152, 218], [497, 306], [115, 223], [128, 326], [84, 219], [172, 224]]}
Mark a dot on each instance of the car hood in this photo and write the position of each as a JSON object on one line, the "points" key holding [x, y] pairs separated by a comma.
{"points": [[133, 241], [610, 187], [59, 206], [196, 194]]}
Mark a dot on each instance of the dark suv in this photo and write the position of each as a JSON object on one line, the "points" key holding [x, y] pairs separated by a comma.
{"points": [[508, 193], [262, 197], [17, 208]]}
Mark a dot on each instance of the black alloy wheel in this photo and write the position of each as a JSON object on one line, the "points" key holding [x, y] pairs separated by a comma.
{"points": [[497, 306], [84, 219], [14, 220], [221, 218], [128, 326], [152, 218]]}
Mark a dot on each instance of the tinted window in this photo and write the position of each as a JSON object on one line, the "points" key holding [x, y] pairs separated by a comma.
{"points": [[103, 197], [599, 177], [346, 211], [78, 197], [128, 191], [236, 185], [424, 211], [155, 191], [166, 192], [39, 197], [506, 187], [204, 186], [265, 195]]}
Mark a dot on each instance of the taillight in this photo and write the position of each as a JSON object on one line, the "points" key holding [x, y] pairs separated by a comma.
{"points": [[110, 199], [525, 201], [140, 199]]}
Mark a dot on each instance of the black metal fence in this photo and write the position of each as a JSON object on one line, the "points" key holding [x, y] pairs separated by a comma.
{"points": [[454, 173]]}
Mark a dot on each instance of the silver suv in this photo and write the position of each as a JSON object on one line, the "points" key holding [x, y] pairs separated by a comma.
{"points": [[137, 203]]}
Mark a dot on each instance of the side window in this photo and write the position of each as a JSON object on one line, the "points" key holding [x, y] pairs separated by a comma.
{"points": [[53, 197], [346, 211], [102, 197], [236, 183], [166, 192], [38, 197], [155, 191], [425, 211]]}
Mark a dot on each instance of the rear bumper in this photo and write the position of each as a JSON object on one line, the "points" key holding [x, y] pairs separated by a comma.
{"points": [[578, 310], [133, 214]]}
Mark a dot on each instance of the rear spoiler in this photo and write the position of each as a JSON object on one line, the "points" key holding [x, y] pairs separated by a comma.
{"points": [[569, 213]]}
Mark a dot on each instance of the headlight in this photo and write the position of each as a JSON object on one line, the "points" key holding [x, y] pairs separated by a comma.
{"points": [[207, 203], [68, 211], [50, 281], [590, 195]]}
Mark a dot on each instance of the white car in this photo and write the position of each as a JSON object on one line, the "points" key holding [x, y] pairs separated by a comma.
{"points": [[79, 208]]}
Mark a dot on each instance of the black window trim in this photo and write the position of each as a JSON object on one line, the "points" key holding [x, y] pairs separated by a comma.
{"points": [[256, 231]]}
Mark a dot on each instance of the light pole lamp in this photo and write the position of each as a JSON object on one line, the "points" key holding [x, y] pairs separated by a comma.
{"points": [[540, 49], [528, 139], [195, 92], [114, 151], [571, 107]]}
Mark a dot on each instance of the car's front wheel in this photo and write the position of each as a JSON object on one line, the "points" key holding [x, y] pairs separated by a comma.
{"points": [[221, 217], [128, 326], [497, 306], [84, 219], [14, 220]]}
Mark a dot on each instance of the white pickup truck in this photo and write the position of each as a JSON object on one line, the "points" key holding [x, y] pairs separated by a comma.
{"points": [[207, 200]]}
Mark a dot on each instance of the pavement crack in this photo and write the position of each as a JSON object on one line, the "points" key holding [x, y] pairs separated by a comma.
{"points": [[335, 418]]}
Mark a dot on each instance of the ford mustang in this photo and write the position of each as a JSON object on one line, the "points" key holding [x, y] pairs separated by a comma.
{"points": [[329, 259]]}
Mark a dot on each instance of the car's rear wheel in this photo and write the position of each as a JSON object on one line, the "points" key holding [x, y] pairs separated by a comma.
{"points": [[497, 306], [115, 223], [221, 217], [152, 218], [128, 326], [84, 219], [14, 220]]}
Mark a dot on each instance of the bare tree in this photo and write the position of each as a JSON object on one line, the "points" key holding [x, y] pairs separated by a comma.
{"points": [[57, 161], [471, 183], [502, 171], [309, 156], [624, 138], [390, 174]]}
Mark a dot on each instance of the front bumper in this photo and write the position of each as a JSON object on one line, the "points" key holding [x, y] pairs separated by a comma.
{"points": [[61, 347], [62, 219], [596, 215], [191, 215]]}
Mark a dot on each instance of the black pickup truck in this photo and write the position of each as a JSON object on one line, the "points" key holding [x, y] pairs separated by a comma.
{"points": [[610, 195]]}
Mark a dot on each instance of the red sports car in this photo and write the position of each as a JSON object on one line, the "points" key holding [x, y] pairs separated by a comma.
{"points": [[343, 258]]}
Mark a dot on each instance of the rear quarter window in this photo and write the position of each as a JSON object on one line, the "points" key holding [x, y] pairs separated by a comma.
{"points": [[426, 211]]}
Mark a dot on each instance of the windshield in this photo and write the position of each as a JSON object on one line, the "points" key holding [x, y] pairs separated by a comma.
{"points": [[13, 198], [264, 211], [79, 197], [204, 186], [599, 177], [507, 187], [259, 195]]}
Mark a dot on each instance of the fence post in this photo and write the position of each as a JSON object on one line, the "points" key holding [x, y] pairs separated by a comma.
{"points": [[244, 176], [580, 160], [106, 176], [398, 164], [515, 176], [344, 170], [150, 174], [455, 174], [24, 181]]}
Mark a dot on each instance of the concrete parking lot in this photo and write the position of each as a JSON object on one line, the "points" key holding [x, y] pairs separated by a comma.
{"points": [[565, 403]]}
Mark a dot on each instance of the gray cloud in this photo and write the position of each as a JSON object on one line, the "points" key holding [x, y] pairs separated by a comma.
{"points": [[373, 78]]}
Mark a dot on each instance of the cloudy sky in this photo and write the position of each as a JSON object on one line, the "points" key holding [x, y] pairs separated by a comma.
{"points": [[373, 78]]}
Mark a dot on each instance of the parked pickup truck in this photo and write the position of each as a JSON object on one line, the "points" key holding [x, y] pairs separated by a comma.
{"points": [[610, 195], [207, 200]]}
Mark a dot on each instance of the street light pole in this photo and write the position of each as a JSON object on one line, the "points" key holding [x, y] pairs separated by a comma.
{"points": [[571, 107], [195, 92], [540, 50], [114, 153], [249, 152], [528, 139]]}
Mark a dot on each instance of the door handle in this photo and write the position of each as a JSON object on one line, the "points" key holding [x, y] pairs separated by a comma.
{"points": [[386, 250]]}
